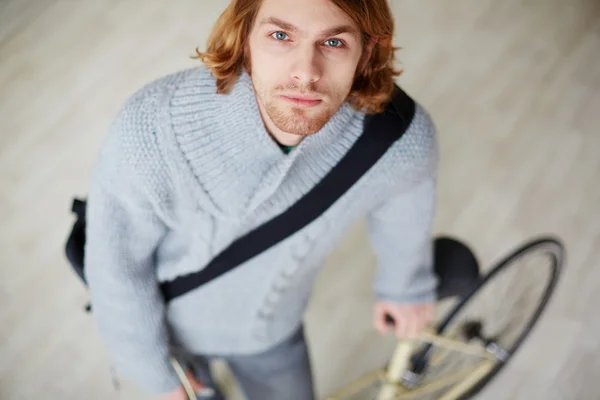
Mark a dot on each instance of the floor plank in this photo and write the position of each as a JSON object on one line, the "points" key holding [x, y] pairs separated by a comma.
{"points": [[513, 87]]}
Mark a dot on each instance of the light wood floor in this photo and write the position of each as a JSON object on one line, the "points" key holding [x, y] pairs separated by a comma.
{"points": [[513, 85]]}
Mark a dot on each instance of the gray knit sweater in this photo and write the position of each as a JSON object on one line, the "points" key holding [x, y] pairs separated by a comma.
{"points": [[184, 171]]}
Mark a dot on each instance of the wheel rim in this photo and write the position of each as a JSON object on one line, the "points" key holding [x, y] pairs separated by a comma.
{"points": [[502, 336], [534, 288]]}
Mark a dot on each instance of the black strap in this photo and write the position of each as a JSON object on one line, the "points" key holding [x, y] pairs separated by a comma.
{"points": [[381, 131], [78, 207]]}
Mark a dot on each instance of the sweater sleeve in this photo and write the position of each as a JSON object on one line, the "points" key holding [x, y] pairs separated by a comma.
{"points": [[123, 231], [400, 233], [400, 229]]}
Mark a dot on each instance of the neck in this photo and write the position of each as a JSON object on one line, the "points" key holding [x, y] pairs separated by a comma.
{"points": [[283, 138]]}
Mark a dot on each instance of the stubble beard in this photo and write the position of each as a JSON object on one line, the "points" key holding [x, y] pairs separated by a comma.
{"points": [[298, 121]]}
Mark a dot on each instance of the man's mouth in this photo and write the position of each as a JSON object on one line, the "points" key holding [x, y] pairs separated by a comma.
{"points": [[301, 100]]}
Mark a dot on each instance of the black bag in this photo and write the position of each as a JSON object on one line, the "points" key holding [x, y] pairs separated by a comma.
{"points": [[381, 131]]}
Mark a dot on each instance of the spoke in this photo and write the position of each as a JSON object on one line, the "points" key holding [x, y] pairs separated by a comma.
{"points": [[441, 355], [358, 385], [482, 369]]}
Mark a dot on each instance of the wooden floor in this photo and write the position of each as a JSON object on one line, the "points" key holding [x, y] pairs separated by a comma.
{"points": [[513, 85]]}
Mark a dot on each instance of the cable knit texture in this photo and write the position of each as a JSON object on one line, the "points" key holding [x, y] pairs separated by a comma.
{"points": [[184, 171]]}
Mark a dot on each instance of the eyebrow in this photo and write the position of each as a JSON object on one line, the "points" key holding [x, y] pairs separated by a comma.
{"points": [[328, 32]]}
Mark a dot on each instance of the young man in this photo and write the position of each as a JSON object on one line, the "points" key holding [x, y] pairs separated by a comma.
{"points": [[196, 159]]}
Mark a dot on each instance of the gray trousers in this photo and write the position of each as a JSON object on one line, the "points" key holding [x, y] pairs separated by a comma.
{"points": [[280, 373]]}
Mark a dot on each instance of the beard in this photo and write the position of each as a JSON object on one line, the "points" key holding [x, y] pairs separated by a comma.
{"points": [[296, 120]]}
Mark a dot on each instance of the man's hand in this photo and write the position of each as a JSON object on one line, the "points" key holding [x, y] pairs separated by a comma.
{"points": [[409, 319], [180, 394]]}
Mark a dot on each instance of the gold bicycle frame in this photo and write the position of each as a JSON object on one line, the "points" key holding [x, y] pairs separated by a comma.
{"points": [[391, 377]]}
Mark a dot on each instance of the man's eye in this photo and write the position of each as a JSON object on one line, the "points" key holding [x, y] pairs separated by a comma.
{"points": [[279, 35], [333, 43]]}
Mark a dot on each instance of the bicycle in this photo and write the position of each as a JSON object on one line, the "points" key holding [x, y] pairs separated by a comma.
{"points": [[429, 366]]}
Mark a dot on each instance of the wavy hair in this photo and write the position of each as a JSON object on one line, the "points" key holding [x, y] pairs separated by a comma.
{"points": [[372, 86]]}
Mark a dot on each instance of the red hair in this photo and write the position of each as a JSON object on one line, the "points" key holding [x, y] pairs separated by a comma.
{"points": [[372, 87]]}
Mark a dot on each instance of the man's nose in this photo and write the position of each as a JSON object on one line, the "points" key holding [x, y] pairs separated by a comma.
{"points": [[307, 68]]}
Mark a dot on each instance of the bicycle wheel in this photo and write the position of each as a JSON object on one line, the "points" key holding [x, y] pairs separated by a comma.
{"points": [[498, 313]]}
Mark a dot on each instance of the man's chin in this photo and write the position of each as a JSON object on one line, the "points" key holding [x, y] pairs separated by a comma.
{"points": [[300, 122], [300, 126]]}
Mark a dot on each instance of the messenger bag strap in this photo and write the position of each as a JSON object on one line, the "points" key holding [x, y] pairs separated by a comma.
{"points": [[380, 132]]}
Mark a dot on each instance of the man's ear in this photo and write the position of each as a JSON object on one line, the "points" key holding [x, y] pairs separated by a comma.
{"points": [[367, 53]]}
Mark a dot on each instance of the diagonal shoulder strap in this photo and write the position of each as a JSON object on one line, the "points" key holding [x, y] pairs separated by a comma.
{"points": [[381, 131]]}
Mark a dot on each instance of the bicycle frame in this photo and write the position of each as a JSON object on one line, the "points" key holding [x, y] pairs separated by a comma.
{"points": [[392, 377]]}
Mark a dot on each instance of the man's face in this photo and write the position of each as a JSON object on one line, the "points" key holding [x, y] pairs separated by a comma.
{"points": [[303, 57]]}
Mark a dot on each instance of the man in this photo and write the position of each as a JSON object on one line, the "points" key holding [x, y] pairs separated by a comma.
{"points": [[198, 158]]}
